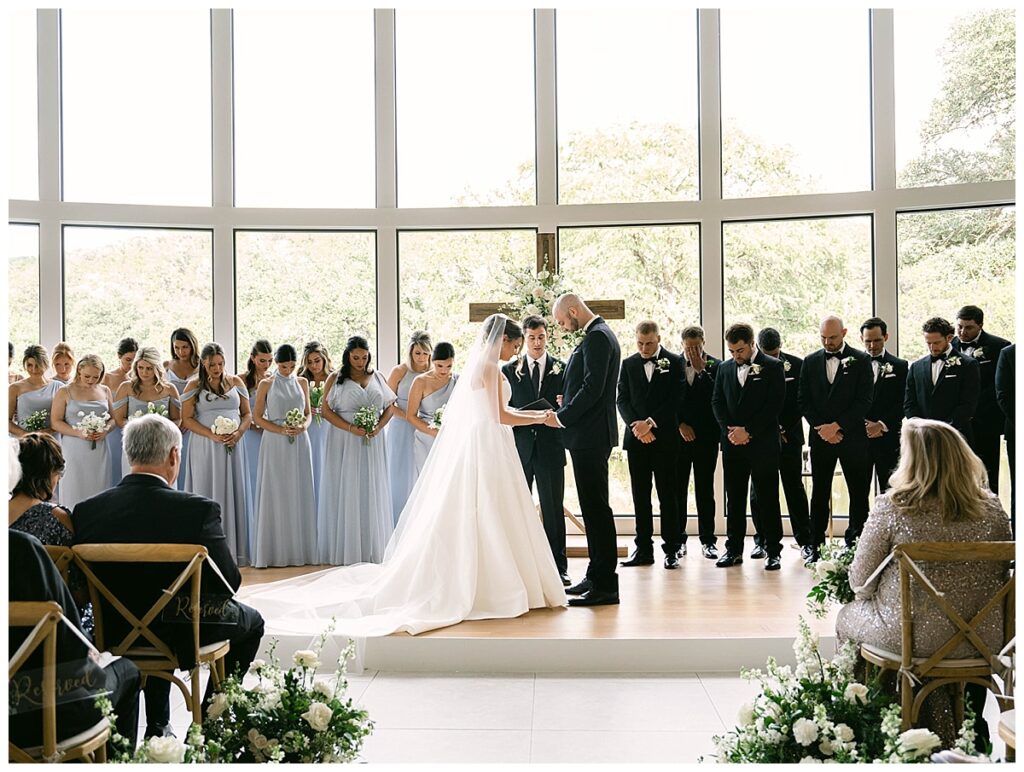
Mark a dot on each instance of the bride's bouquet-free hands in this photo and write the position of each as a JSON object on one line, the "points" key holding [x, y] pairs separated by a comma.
{"points": [[366, 418]]}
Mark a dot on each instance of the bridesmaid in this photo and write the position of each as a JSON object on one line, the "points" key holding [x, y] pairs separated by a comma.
{"points": [[260, 358], [126, 350], [31, 394], [216, 462], [63, 362], [430, 391], [86, 458], [148, 383], [354, 517], [12, 377], [315, 368], [401, 466], [181, 368], [284, 524]]}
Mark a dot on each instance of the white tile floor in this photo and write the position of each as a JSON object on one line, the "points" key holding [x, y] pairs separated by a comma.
{"points": [[543, 718]]}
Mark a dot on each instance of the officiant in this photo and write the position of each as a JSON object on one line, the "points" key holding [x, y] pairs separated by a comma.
{"points": [[536, 376]]}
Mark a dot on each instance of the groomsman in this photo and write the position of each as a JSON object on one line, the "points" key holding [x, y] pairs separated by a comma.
{"points": [[1006, 379], [538, 375], [885, 416], [835, 394], [749, 392], [649, 397], [987, 425], [943, 385], [700, 433], [791, 432]]}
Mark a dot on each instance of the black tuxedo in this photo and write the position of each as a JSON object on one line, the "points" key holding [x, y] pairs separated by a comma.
{"points": [[755, 406], [887, 407], [701, 453], [588, 417], [953, 398], [659, 400], [143, 509], [791, 431], [540, 448], [988, 421], [34, 578], [1006, 378], [845, 401]]}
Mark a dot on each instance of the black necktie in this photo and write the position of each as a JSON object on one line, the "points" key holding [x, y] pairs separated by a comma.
{"points": [[833, 355], [535, 377], [937, 358]]}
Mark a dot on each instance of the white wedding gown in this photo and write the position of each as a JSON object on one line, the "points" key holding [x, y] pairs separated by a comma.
{"points": [[469, 543]]}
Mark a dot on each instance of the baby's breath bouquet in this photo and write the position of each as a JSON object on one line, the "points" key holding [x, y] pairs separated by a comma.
{"points": [[223, 425], [535, 294], [833, 574], [366, 418], [316, 401], [437, 418], [294, 418], [38, 421], [92, 423]]}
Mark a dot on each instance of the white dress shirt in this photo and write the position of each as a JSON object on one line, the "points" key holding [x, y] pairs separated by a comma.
{"points": [[832, 365], [649, 366], [743, 370], [938, 364], [969, 347]]}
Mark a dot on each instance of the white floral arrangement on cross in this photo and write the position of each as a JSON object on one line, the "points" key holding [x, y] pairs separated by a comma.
{"points": [[534, 294]]}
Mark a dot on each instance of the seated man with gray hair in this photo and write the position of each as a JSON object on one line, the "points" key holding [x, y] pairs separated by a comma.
{"points": [[145, 508]]}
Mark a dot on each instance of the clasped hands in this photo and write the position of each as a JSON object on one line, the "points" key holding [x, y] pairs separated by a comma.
{"points": [[643, 431], [737, 435], [831, 433]]}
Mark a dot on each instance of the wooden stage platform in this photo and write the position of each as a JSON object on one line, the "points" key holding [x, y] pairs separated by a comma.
{"points": [[696, 618]]}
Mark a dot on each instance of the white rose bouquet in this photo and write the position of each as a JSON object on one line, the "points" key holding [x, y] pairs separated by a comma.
{"points": [[222, 425], [366, 418], [316, 401], [92, 423], [294, 418], [833, 574], [38, 421], [437, 417]]}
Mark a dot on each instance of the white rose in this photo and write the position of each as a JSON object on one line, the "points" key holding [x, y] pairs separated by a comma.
{"points": [[823, 567], [843, 733], [746, 716], [810, 760], [318, 716], [165, 750], [324, 689], [805, 731], [218, 705], [260, 742], [538, 292], [856, 692], [918, 742], [825, 747], [306, 658], [257, 664]]}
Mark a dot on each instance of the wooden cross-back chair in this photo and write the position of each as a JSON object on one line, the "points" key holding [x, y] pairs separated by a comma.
{"points": [[141, 644], [62, 558], [89, 745], [919, 676]]}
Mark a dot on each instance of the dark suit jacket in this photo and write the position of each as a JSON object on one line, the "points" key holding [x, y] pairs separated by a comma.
{"points": [[887, 395], [541, 444], [846, 400], [755, 407], [988, 416], [952, 399], [660, 399], [145, 510], [34, 577], [588, 409], [791, 421], [696, 411], [1006, 378]]}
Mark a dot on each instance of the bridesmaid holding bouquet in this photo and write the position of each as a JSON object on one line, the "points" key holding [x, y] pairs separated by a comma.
{"points": [[256, 368], [126, 350], [429, 394], [315, 368], [147, 386], [401, 463], [30, 400]]}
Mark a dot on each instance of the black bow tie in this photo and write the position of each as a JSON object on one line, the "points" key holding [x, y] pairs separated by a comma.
{"points": [[645, 360], [938, 357], [833, 355], [878, 358]]}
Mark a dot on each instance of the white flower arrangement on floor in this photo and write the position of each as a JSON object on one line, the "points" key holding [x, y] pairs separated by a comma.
{"points": [[832, 571]]}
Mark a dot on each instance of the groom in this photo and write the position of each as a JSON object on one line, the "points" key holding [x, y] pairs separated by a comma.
{"points": [[587, 415]]}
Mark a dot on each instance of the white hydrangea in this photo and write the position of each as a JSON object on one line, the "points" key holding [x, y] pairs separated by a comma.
{"points": [[746, 714], [805, 731]]}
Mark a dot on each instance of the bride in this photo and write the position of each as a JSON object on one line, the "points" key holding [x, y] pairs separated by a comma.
{"points": [[468, 545]]}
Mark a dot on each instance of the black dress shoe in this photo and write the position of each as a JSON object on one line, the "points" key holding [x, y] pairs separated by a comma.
{"points": [[772, 564], [806, 551], [638, 560], [158, 730], [578, 589], [682, 551], [728, 560], [671, 561], [814, 558], [758, 553], [710, 551], [566, 581], [595, 598]]}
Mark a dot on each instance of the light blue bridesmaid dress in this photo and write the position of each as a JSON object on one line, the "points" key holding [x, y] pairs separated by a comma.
{"points": [[354, 517], [401, 465], [216, 474], [317, 432], [284, 525], [135, 404], [114, 448], [30, 402], [422, 443], [86, 469], [252, 440], [179, 384]]}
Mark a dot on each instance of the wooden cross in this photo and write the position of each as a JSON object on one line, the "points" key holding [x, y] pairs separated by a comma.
{"points": [[547, 252]]}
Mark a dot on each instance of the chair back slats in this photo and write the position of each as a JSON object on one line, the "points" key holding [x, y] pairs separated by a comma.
{"points": [[43, 617], [62, 558]]}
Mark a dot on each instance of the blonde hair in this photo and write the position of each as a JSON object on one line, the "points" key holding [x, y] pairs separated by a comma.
{"points": [[89, 360], [63, 349], [152, 356], [38, 354], [420, 339], [938, 467]]}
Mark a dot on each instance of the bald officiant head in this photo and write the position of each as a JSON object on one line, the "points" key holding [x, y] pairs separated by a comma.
{"points": [[571, 312], [833, 334]]}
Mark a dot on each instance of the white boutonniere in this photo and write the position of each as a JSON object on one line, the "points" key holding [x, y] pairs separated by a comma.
{"points": [[755, 369], [979, 353], [887, 368], [787, 365], [848, 361], [662, 365], [556, 369], [953, 362]]}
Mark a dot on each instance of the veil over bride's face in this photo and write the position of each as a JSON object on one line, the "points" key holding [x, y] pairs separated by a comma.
{"points": [[509, 348]]}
